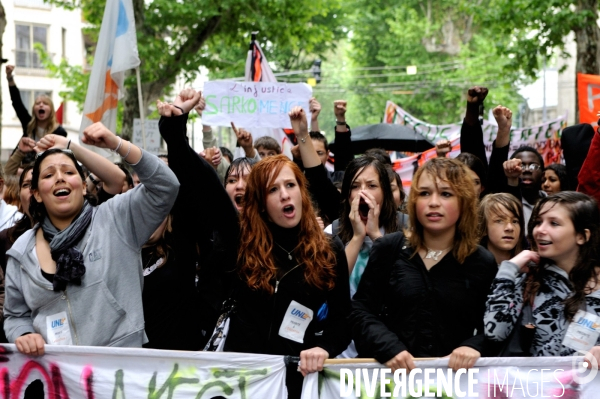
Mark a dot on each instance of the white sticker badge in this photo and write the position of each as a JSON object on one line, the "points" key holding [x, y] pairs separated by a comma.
{"points": [[583, 331], [58, 329], [296, 320]]}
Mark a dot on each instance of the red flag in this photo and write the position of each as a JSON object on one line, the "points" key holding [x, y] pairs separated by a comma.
{"points": [[59, 113], [588, 93]]}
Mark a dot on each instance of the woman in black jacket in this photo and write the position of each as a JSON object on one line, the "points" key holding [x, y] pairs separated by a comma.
{"points": [[179, 312], [424, 295], [291, 293]]}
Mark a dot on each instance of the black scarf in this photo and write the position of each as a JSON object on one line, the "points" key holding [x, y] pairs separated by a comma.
{"points": [[69, 260]]}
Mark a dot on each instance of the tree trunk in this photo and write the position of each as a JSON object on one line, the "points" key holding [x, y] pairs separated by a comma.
{"points": [[587, 37], [2, 27]]}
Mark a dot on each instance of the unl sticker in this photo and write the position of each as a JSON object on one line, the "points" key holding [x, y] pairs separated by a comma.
{"points": [[296, 320], [58, 331]]}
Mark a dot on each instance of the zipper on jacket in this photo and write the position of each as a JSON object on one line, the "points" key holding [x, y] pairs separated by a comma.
{"points": [[277, 281], [71, 316]]}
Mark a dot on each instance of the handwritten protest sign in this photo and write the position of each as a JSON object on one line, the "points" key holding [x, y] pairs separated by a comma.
{"points": [[253, 104], [152, 135]]}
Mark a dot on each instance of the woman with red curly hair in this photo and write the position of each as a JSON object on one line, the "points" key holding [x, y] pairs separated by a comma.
{"points": [[292, 296]]}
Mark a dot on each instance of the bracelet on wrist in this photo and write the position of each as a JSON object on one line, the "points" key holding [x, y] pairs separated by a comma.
{"points": [[68, 144], [119, 145], [128, 151], [340, 123], [303, 139], [179, 108]]}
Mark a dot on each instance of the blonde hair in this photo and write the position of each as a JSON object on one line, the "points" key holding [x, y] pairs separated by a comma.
{"points": [[11, 191], [454, 173], [52, 122]]}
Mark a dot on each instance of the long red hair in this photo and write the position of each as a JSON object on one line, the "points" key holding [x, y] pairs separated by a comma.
{"points": [[256, 264]]}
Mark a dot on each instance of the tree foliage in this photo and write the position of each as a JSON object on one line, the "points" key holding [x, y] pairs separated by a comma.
{"points": [[539, 30], [176, 38], [444, 39]]}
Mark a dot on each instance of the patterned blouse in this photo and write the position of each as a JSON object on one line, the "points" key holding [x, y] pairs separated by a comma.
{"points": [[505, 303]]}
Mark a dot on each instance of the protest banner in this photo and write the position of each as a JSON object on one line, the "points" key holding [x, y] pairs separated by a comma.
{"points": [[588, 98], [153, 140], [253, 104], [96, 372], [491, 378], [545, 138]]}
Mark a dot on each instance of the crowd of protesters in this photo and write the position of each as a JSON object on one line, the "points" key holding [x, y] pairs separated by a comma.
{"points": [[263, 254]]}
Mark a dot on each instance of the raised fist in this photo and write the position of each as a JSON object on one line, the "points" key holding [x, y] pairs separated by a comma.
{"points": [[339, 109], [512, 168], [476, 94]]}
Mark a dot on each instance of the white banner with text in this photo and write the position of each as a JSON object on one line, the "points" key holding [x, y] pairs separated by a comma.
{"points": [[95, 372], [253, 104], [491, 378]]}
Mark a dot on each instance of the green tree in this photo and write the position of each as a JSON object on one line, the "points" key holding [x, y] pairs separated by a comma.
{"points": [[539, 30], [176, 38], [443, 38]]}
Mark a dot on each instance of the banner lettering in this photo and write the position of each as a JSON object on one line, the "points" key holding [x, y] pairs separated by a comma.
{"points": [[96, 372], [254, 104]]}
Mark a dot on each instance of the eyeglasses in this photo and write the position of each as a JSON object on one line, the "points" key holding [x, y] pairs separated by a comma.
{"points": [[64, 151], [532, 167]]}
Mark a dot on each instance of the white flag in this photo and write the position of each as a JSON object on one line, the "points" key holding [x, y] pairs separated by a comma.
{"points": [[116, 52]]}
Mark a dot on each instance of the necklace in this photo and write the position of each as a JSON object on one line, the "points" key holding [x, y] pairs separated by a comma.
{"points": [[433, 254], [286, 251]]}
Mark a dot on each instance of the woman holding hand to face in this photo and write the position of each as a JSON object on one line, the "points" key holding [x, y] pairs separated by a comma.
{"points": [[287, 266], [423, 292], [82, 261]]}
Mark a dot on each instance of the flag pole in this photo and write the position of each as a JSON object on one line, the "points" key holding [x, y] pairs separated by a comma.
{"points": [[142, 119]]}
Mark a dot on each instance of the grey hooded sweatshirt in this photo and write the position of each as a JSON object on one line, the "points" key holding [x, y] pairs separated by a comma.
{"points": [[106, 309]]}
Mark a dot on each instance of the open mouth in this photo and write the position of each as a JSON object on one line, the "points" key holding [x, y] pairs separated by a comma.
{"points": [[42, 112], [238, 199], [363, 210], [288, 210], [62, 192], [544, 242]]}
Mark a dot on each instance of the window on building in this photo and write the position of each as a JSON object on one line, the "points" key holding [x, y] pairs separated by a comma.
{"points": [[29, 96], [27, 36]]}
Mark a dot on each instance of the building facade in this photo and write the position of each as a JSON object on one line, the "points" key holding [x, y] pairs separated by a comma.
{"points": [[59, 32]]}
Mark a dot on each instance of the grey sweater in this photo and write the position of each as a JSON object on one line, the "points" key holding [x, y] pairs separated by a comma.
{"points": [[106, 309]]}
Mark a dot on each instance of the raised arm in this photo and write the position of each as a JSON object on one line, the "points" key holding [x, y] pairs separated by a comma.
{"points": [[321, 188], [25, 146], [496, 178], [15, 96], [343, 136], [203, 204], [471, 134], [137, 213], [109, 173]]}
